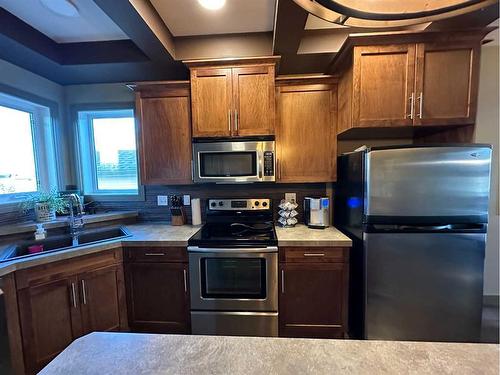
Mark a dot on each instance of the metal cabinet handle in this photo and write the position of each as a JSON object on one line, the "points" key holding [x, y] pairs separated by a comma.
{"points": [[314, 254], [421, 104], [278, 167], [154, 254], [185, 281], [412, 102], [229, 119], [236, 120], [84, 293], [73, 294], [282, 281]]}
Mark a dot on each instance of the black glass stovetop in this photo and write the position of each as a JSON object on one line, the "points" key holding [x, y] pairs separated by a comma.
{"points": [[235, 234]]}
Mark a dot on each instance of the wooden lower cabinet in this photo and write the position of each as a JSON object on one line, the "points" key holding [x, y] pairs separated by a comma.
{"points": [[313, 295], [103, 299], [158, 298], [60, 302], [50, 320]]}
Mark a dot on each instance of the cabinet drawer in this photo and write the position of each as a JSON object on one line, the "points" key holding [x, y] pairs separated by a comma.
{"points": [[314, 254], [155, 254], [38, 275]]}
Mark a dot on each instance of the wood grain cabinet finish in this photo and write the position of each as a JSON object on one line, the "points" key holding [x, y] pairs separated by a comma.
{"points": [[66, 302], [427, 79], [157, 289], [232, 98], [306, 130], [163, 111], [313, 298]]}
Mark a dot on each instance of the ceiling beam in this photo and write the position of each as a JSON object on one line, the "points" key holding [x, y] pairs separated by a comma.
{"points": [[289, 23]]}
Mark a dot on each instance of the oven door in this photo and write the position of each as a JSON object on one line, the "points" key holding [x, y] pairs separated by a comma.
{"points": [[232, 162], [234, 279]]}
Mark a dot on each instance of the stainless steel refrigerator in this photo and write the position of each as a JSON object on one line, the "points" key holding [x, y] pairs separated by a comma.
{"points": [[418, 219]]}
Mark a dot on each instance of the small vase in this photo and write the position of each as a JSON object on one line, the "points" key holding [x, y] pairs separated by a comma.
{"points": [[44, 213]]}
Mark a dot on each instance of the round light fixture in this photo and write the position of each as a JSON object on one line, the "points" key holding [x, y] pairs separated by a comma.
{"points": [[212, 4], [65, 8]]}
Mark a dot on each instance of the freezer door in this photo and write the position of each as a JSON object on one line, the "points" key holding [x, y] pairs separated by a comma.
{"points": [[427, 185], [424, 286]]}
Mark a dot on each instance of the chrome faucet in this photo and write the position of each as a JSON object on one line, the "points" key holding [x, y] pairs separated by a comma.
{"points": [[75, 220]]}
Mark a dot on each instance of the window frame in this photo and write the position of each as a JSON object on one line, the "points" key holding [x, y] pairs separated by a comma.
{"points": [[85, 153], [44, 138]]}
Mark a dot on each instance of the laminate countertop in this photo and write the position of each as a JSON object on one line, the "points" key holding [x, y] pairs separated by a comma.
{"points": [[301, 235], [130, 353], [157, 234]]}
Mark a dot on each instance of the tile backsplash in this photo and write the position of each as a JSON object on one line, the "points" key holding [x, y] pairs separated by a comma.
{"points": [[150, 211]]}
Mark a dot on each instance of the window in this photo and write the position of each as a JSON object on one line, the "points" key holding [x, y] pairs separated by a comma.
{"points": [[108, 152], [27, 150]]}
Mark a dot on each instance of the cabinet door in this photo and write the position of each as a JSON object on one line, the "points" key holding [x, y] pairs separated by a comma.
{"points": [[102, 299], [211, 102], [313, 300], [305, 133], [383, 85], [447, 83], [253, 89], [158, 298], [50, 320], [165, 138]]}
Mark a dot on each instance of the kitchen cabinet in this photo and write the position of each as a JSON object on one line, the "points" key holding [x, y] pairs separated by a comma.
{"points": [[158, 290], [313, 298], [231, 98], [306, 129], [164, 118], [408, 79], [62, 301]]}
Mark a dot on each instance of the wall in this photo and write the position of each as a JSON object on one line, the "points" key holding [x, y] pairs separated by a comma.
{"points": [[487, 131]]}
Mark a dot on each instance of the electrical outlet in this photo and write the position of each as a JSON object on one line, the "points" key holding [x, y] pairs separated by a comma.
{"points": [[186, 200], [291, 197], [162, 200]]}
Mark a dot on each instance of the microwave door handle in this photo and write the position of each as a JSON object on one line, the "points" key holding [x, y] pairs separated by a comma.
{"points": [[260, 165]]}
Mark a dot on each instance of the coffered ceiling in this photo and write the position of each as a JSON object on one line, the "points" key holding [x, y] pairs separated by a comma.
{"points": [[90, 25], [188, 17], [137, 40]]}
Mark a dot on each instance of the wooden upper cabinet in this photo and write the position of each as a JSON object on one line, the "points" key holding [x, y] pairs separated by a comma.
{"points": [[163, 112], [383, 85], [253, 90], [211, 102], [305, 131], [408, 79], [446, 83], [231, 98]]}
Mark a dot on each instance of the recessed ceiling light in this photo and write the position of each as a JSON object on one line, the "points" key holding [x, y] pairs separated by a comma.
{"points": [[212, 4], [65, 8]]}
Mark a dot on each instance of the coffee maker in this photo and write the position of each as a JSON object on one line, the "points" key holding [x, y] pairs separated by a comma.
{"points": [[317, 212]]}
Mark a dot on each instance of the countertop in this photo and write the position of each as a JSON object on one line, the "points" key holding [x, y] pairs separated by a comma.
{"points": [[129, 353], [162, 234], [301, 235], [157, 234]]}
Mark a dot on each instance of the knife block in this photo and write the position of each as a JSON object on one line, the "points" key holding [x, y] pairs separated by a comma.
{"points": [[179, 219]]}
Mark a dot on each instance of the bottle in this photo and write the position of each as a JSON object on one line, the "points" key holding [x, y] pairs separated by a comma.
{"points": [[40, 233]]}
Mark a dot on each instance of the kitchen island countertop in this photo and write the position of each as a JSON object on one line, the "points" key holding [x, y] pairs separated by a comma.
{"points": [[130, 353]]}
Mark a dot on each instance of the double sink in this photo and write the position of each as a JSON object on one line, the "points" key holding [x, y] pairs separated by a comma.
{"points": [[62, 242]]}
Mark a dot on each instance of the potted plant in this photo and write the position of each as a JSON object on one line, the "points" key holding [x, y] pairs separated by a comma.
{"points": [[45, 204]]}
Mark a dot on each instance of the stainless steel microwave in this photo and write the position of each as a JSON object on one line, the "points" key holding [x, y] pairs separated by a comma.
{"points": [[234, 161]]}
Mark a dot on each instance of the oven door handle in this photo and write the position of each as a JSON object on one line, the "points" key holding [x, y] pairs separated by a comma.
{"points": [[241, 250]]}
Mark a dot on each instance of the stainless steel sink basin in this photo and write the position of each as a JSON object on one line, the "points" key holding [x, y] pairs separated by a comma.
{"points": [[63, 242]]}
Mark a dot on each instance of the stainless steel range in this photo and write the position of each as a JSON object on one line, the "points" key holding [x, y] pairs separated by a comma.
{"points": [[233, 263]]}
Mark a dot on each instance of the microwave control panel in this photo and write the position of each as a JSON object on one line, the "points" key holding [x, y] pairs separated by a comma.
{"points": [[268, 163]]}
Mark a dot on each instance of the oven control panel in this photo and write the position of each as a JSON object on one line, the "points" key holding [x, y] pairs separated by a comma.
{"points": [[239, 204]]}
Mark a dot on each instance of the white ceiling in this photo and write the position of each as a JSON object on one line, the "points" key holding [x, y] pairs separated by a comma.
{"points": [[91, 25], [188, 17]]}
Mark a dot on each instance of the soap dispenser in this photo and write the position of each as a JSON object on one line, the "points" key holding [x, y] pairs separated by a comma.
{"points": [[40, 233]]}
